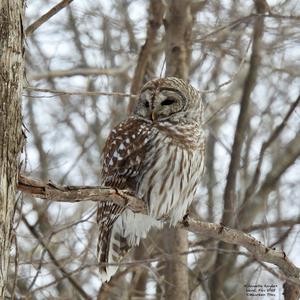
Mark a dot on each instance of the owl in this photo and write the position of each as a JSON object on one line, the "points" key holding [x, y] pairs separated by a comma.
{"points": [[157, 155]]}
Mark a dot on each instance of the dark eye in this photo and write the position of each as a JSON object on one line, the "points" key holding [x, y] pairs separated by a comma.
{"points": [[146, 103], [168, 102]]}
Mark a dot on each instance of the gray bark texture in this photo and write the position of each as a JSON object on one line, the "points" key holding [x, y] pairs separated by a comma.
{"points": [[178, 26], [11, 138]]}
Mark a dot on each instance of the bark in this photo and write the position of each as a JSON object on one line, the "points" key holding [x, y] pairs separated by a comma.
{"points": [[51, 191], [291, 292], [11, 137], [178, 26], [156, 12]]}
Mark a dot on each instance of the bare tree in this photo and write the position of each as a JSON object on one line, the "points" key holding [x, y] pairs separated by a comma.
{"points": [[85, 64]]}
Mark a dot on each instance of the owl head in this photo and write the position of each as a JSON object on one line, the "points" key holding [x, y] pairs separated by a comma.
{"points": [[169, 99]]}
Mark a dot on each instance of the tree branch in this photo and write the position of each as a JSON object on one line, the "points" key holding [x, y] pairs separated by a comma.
{"points": [[243, 119], [44, 18], [81, 72], [52, 192], [236, 237], [274, 135], [76, 93]]}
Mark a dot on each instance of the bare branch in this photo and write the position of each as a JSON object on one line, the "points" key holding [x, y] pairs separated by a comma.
{"points": [[44, 18], [276, 224], [286, 159], [250, 190], [81, 72], [75, 93], [54, 260], [51, 191], [236, 237], [244, 19], [243, 119], [283, 162]]}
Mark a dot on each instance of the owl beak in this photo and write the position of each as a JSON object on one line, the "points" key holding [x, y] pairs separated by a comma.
{"points": [[153, 116]]}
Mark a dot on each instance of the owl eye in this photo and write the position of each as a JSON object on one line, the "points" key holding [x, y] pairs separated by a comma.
{"points": [[146, 103], [168, 102]]}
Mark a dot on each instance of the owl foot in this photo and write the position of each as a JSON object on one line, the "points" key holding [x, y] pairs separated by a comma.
{"points": [[185, 219]]}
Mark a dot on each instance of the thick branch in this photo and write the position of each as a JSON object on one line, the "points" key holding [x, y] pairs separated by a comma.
{"points": [[51, 191], [243, 119]]}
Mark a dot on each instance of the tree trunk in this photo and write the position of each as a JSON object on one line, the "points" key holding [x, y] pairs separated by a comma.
{"points": [[178, 25], [11, 138]]}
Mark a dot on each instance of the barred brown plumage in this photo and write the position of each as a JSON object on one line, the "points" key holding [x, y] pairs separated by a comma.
{"points": [[157, 154]]}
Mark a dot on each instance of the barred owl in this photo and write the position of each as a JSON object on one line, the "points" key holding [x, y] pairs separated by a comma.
{"points": [[157, 154]]}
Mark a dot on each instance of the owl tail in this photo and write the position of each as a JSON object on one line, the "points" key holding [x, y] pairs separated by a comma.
{"points": [[112, 246], [120, 230]]}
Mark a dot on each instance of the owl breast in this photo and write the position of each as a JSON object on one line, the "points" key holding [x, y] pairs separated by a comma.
{"points": [[174, 170]]}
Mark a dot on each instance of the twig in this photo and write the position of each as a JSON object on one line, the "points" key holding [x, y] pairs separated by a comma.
{"points": [[54, 260], [44, 18], [74, 93], [276, 224], [80, 72], [283, 162], [227, 26], [244, 19], [231, 79]]}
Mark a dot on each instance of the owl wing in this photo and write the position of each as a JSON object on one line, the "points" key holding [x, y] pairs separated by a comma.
{"points": [[124, 156]]}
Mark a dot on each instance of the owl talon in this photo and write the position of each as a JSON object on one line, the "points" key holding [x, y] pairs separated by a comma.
{"points": [[185, 220]]}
